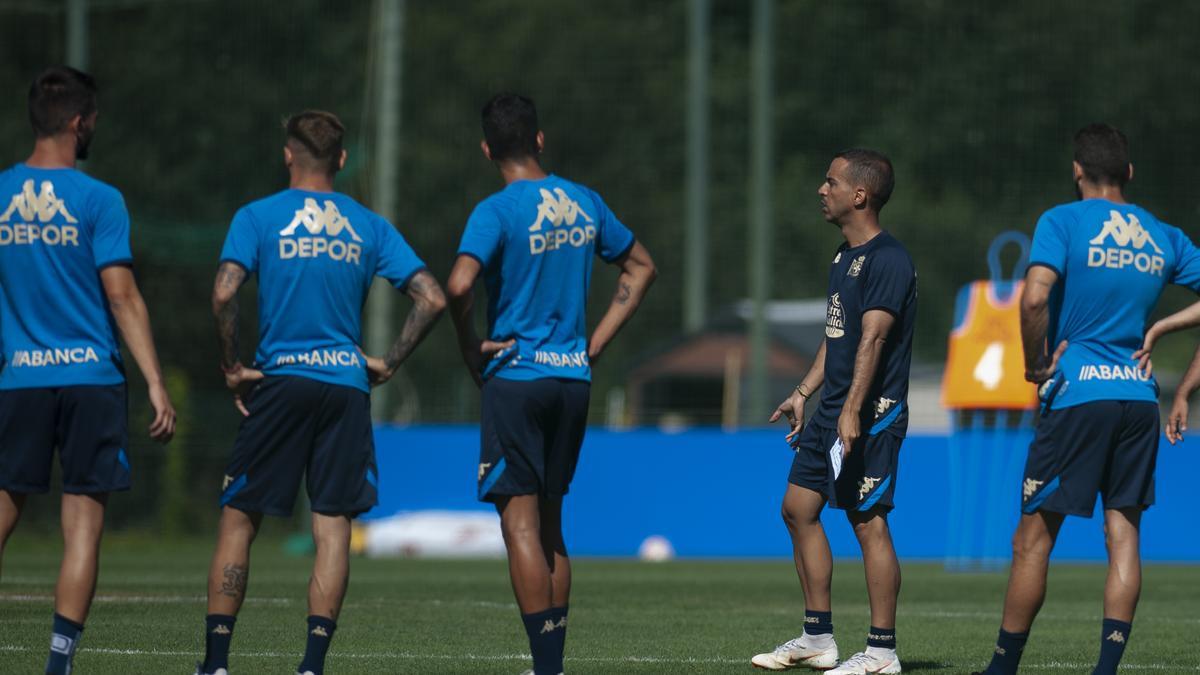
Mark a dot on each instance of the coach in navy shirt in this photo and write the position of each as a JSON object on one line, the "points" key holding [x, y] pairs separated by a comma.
{"points": [[847, 455]]}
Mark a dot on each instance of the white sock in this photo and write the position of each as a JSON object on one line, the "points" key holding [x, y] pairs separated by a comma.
{"points": [[823, 641], [881, 653]]}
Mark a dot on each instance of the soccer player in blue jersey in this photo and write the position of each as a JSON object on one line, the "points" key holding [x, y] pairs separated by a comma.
{"points": [[66, 287], [533, 243], [1096, 271], [847, 455], [305, 403]]}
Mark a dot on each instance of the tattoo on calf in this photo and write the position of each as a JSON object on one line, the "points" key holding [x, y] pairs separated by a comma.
{"points": [[624, 293], [234, 585]]}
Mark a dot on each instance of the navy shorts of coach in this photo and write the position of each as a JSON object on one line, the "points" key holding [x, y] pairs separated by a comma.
{"points": [[1100, 447], [87, 424], [868, 476], [301, 427], [531, 432]]}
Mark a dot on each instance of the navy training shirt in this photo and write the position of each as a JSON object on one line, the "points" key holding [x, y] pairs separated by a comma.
{"points": [[316, 254], [876, 275], [1113, 261], [58, 229], [535, 240]]}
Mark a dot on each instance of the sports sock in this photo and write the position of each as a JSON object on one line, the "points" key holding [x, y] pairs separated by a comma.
{"points": [[881, 638], [818, 623], [320, 632], [543, 630], [559, 616], [218, 633], [1114, 635], [1008, 653], [63, 640]]}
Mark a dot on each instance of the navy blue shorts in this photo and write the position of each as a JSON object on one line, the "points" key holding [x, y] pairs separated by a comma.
{"points": [[299, 426], [87, 424], [530, 436], [1105, 447], [868, 477]]}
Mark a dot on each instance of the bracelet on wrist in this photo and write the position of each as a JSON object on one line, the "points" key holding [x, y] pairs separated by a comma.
{"points": [[802, 393]]}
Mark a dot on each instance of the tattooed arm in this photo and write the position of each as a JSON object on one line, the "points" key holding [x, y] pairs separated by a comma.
{"points": [[1035, 324], [637, 273], [428, 304], [230, 277]]}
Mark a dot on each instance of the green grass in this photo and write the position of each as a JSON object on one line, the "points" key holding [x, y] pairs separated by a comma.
{"points": [[427, 616]]}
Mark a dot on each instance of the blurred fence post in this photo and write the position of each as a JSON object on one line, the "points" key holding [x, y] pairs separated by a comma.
{"points": [[77, 34], [695, 234], [760, 207], [389, 22]]}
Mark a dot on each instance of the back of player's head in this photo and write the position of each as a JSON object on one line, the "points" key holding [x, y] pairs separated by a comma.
{"points": [[873, 171], [315, 139], [1102, 151], [57, 96], [510, 127]]}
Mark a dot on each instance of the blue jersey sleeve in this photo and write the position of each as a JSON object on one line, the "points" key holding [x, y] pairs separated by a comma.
{"points": [[397, 260], [1187, 260], [1050, 243], [888, 281], [483, 236], [110, 239], [613, 239], [241, 244]]}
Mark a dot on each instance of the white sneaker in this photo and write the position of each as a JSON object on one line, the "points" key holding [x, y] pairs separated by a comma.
{"points": [[795, 654], [307, 672], [218, 671], [864, 663]]}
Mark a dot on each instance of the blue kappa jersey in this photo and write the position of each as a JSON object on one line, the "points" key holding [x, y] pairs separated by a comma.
{"points": [[535, 241], [315, 254], [876, 275], [58, 229], [1113, 261]]}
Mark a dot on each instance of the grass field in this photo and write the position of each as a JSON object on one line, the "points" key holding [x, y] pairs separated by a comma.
{"points": [[427, 616]]}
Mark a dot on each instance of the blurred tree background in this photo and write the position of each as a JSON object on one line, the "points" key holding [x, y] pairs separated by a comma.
{"points": [[976, 104]]}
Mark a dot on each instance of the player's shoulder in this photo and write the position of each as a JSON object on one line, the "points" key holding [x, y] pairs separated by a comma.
{"points": [[888, 247], [95, 188]]}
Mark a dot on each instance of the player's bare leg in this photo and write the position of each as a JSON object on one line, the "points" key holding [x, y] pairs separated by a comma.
{"points": [[815, 648], [520, 522], [880, 564], [1124, 582], [326, 587], [230, 569], [810, 546], [11, 505], [82, 526], [1032, 545], [555, 550]]}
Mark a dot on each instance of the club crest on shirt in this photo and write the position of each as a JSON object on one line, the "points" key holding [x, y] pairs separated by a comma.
{"points": [[856, 266]]}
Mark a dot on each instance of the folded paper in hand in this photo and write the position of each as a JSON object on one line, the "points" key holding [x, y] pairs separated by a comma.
{"points": [[835, 458]]}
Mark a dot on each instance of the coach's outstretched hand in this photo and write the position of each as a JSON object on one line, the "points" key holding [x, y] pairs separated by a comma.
{"points": [[793, 409], [240, 380]]}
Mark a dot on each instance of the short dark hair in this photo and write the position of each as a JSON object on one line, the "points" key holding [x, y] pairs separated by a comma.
{"points": [[1103, 153], [315, 138], [872, 170], [57, 95], [510, 127]]}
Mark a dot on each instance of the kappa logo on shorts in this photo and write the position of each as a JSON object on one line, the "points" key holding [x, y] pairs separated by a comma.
{"points": [[1031, 487], [866, 485], [883, 405], [483, 467], [1117, 636], [225, 483]]}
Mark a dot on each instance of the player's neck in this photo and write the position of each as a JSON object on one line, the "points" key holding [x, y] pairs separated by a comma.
{"points": [[311, 182], [522, 169], [53, 152], [860, 230], [1112, 193]]}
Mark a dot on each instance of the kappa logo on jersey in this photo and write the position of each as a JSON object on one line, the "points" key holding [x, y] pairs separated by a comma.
{"points": [[326, 225], [34, 212], [835, 318], [558, 209], [1030, 487], [856, 266], [1129, 240]]}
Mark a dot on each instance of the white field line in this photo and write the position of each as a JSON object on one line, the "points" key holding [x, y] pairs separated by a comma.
{"points": [[408, 656]]}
